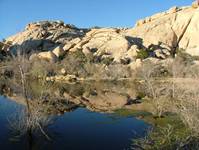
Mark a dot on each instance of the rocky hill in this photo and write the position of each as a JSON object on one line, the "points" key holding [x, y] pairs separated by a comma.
{"points": [[177, 28], [157, 36]]}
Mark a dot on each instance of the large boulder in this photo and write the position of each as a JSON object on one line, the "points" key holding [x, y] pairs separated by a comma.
{"points": [[190, 38], [136, 64], [48, 56], [105, 41], [177, 27], [195, 4], [132, 52], [45, 35], [59, 51]]}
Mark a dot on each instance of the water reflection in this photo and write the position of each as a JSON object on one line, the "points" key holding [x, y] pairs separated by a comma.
{"points": [[74, 130]]}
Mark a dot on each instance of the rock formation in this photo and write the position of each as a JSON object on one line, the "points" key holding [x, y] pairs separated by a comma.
{"points": [[177, 28], [160, 35]]}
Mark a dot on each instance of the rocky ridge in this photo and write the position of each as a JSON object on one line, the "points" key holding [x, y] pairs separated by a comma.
{"points": [[159, 35]]}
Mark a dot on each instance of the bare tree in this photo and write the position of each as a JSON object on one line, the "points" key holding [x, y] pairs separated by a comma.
{"points": [[31, 119], [157, 92]]}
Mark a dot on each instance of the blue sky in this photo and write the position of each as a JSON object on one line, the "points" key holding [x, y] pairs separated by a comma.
{"points": [[15, 14]]}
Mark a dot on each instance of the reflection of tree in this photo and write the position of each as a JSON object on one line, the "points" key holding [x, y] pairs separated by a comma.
{"points": [[29, 127], [41, 98], [31, 120]]}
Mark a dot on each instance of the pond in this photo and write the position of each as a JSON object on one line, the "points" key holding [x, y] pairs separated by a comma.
{"points": [[79, 129]]}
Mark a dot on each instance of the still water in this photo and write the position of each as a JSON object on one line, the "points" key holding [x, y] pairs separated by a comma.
{"points": [[80, 129]]}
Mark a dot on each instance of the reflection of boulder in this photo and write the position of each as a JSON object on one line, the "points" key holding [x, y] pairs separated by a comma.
{"points": [[63, 78], [46, 106], [55, 106], [108, 101], [96, 96]]}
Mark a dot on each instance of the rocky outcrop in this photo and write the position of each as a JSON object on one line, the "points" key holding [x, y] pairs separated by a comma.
{"points": [[177, 28], [105, 41], [48, 56], [45, 35], [195, 4], [159, 35], [190, 40], [61, 38], [55, 31]]}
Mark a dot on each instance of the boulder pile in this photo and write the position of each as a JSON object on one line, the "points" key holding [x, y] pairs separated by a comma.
{"points": [[157, 36]]}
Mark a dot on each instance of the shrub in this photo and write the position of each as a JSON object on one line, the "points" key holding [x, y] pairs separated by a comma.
{"points": [[74, 62], [184, 57], [79, 56], [142, 54], [42, 69], [107, 61]]}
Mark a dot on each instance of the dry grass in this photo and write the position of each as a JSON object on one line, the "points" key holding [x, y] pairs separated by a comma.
{"points": [[158, 93], [179, 94]]}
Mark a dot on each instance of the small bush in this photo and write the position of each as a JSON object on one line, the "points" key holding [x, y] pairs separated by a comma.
{"points": [[107, 61], [79, 56], [142, 54], [74, 63], [42, 69], [185, 57]]}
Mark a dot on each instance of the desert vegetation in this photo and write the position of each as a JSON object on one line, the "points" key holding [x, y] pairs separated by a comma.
{"points": [[172, 89], [149, 72], [168, 87]]}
